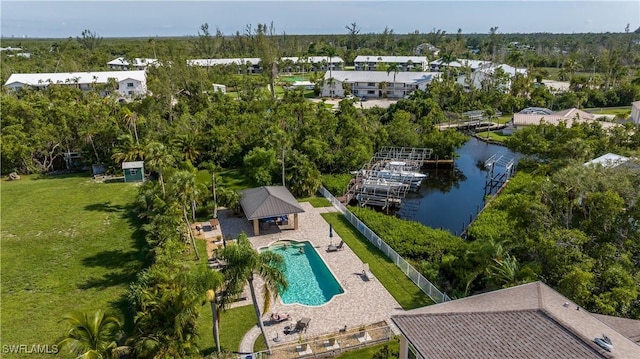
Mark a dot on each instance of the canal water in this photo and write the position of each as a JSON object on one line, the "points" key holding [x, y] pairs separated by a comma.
{"points": [[450, 197]]}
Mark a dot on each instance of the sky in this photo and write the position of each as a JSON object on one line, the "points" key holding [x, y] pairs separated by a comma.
{"points": [[61, 19]]}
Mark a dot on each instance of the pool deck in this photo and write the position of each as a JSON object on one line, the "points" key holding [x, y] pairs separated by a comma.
{"points": [[363, 302]]}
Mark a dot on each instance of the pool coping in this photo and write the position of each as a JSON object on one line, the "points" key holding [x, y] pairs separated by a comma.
{"points": [[335, 277]]}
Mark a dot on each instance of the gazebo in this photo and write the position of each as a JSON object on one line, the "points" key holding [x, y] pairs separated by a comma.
{"points": [[269, 202]]}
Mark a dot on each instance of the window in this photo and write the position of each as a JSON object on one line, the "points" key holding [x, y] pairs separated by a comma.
{"points": [[129, 84], [371, 92], [371, 84], [133, 172]]}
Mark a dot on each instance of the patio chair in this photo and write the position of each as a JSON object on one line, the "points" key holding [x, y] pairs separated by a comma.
{"points": [[366, 272], [334, 248], [302, 325]]}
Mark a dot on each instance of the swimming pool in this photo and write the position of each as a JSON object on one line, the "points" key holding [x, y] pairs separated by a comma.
{"points": [[310, 281]]}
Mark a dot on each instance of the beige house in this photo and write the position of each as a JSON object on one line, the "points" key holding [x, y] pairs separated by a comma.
{"points": [[568, 117], [527, 321]]}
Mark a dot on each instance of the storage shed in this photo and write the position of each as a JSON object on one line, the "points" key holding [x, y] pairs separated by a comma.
{"points": [[133, 171]]}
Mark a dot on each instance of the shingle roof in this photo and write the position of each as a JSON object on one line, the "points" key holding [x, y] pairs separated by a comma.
{"points": [[630, 328], [102, 77], [510, 334], [268, 201], [536, 297]]}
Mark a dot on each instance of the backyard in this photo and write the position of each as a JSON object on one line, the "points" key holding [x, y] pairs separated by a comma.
{"points": [[68, 243]]}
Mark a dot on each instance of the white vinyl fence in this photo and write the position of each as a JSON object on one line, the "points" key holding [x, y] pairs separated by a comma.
{"points": [[415, 276]]}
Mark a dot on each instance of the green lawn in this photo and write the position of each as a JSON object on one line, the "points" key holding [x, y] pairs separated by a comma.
{"points": [[496, 136], [408, 295], [68, 243], [620, 110], [393, 346], [233, 178], [316, 202], [234, 324]]}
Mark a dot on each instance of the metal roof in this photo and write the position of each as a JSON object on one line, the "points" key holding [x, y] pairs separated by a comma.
{"points": [[102, 77], [268, 201], [133, 164], [409, 77], [121, 61], [391, 59]]}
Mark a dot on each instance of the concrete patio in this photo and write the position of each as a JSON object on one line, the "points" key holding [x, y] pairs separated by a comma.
{"points": [[363, 302]]}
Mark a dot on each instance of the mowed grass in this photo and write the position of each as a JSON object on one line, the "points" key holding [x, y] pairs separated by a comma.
{"points": [[234, 324], [368, 352], [316, 202], [408, 295], [68, 243]]}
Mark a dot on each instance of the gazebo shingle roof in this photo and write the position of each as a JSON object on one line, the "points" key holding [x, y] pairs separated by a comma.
{"points": [[268, 201]]}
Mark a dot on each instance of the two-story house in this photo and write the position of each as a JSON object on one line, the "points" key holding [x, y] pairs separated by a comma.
{"points": [[375, 84], [407, 63], [127, 84]]}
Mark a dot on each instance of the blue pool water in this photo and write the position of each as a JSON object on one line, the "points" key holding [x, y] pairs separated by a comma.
{"points": [[310, 281]]}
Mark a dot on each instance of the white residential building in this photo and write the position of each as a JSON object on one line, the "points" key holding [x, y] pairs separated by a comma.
{"points": [[408, 63], [318, 63], [135, 64], [375, 84], [635, 112], [288, 64], [252, 63], [486, 71], [438, 65], [129, 83]]}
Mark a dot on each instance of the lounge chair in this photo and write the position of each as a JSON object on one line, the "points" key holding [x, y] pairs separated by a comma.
{"points": [[334, 248], [280, 317], [366, 272]]}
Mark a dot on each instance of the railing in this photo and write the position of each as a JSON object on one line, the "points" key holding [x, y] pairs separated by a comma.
{"points": [[327, 346], [415, 276]]}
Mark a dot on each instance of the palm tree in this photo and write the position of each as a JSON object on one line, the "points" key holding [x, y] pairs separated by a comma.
{"points": [[158, 158], [127, 150], [395, 68], [330, 52], [90, 335], [130, 119], [243, 263], [184, 189]]}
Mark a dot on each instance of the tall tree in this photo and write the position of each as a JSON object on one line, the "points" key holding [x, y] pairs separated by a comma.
{"points": [[184, 189], [158, 158], [395, 68]]}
